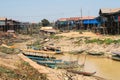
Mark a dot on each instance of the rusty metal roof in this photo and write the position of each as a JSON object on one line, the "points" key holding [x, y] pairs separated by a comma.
{"points": [[63, 19], [2, 18], [77, 18], [82, 18], [109, 10]]}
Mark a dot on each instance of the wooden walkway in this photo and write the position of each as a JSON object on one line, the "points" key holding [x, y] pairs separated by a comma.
{"points": [[40, 68]]}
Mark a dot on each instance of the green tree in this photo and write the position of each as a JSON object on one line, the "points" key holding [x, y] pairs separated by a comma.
{"points": [[45, 22]]}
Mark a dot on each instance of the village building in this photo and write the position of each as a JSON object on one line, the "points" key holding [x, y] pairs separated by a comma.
{"points": [[9, 24], [110, 20], [77, 23]]}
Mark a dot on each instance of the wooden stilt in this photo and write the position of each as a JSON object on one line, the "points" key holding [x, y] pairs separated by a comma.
{"points": [[118, 28]]}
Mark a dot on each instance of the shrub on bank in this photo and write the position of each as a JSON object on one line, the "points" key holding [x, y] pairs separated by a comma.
{"points": [[55, 37], [107, 41], [23, 72], [7, 50]]}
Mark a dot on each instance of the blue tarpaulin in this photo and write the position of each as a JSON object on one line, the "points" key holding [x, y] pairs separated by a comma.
{"points": [[92, 21]]}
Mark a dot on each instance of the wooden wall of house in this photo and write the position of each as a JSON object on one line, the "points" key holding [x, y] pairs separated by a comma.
{"points": [[112, 26]]}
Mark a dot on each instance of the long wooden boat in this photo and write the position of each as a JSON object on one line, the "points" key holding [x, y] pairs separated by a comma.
{"points": [[77, 52], [39, 58], [44, 59], [70, 62], [82, 72], [29, 55], [95, 53], [51, 64], [116, 57], [58, 51]]}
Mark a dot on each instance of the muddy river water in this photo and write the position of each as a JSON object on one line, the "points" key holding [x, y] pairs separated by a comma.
{"points": [[105, 67]]}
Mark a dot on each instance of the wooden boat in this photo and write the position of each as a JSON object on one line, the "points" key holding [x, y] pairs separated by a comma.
{"points": [[70, 62], [116, 57], [77, 52], [29, 55], [82, 72], [58, 51], [44, 59], [39, 58], [95, 53], [51, 64]]}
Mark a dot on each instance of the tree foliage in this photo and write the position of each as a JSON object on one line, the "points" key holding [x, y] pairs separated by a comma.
{"points": [[45, 22]]}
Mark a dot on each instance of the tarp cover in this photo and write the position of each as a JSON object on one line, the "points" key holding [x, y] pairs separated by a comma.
{"points": [[92, 21]]}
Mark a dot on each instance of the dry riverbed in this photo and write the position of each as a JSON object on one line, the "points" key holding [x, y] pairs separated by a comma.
{"points": [[72, 41]]}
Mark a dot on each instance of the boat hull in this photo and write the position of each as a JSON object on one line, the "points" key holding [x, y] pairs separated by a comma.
{"points": [[82, 73], [96, 53], [115, 57]]}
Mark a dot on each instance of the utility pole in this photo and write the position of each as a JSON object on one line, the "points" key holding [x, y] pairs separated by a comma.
{"points": [[81, 19], [88, 20]]}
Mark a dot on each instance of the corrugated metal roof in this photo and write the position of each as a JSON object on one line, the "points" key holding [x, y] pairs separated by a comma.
{"points": [[77, 18], [63, 19], [87, 17], [109, 10]]}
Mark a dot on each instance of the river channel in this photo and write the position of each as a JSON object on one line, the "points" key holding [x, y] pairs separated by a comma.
{"points": [[105, 67]]}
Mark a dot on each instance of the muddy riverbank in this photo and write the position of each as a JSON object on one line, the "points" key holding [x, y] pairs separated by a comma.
{"points": [[104, 67]]}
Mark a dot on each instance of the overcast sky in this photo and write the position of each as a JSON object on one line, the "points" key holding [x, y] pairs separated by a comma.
{"points": [[35, 10]]}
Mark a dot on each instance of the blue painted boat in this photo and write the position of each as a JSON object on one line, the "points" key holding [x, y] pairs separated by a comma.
{"points": [[58, 51], [40, 59], [51, 64], [29, 55], [70, 62], [43, 59], [57, 61]]}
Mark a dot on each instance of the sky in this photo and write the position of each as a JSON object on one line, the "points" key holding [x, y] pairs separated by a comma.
{"points": [[36, 10]]}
